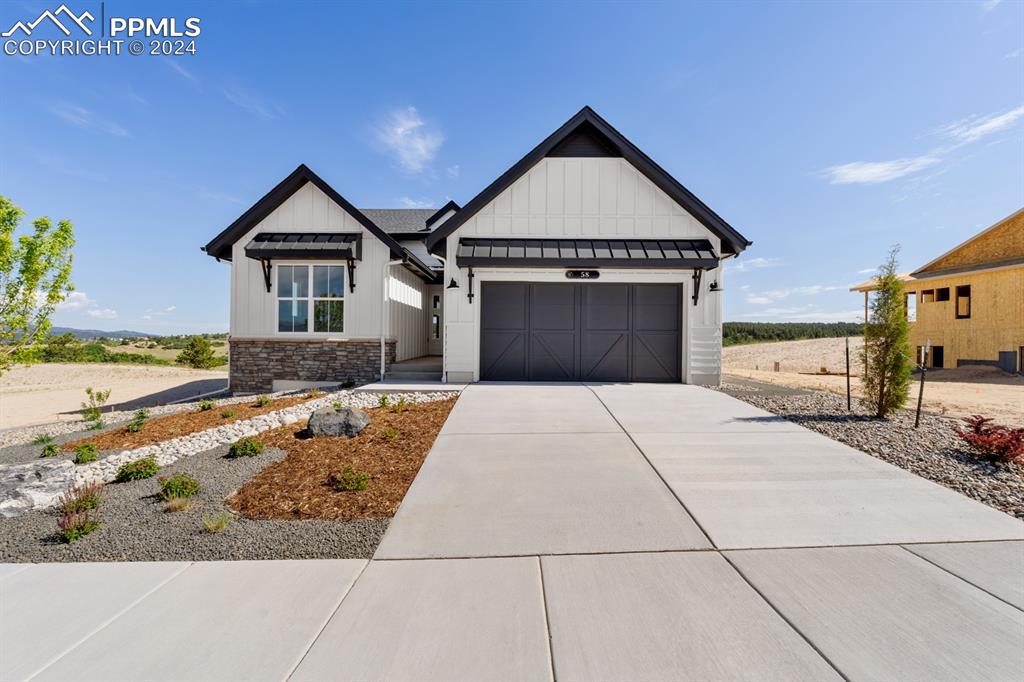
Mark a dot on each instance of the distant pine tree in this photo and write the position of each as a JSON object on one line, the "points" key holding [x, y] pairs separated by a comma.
{"points": [[886, 352], [197, 354]]}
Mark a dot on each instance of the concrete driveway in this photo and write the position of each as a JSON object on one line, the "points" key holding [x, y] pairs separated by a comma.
{"points": [[579, 532]]}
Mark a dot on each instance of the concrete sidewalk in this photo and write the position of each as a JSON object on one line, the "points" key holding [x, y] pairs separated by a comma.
{"points": [[578, 532]]}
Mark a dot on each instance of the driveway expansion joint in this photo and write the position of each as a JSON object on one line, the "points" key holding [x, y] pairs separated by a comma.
{"points": [[654, 468]]}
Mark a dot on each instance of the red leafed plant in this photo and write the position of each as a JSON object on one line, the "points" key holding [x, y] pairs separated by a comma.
{"points": [[995, 442]]}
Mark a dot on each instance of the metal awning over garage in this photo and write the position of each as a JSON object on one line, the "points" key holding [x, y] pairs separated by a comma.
{"points": [[585, 253], [285, 245]]}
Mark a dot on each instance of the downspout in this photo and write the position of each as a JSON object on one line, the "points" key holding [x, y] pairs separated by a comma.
{"points": [[384, 314], [444, 356]]}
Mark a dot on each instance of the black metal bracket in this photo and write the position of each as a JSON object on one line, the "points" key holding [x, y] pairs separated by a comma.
{"points": [[351, 275], [265, 263], [470, 292], [697, 275]]}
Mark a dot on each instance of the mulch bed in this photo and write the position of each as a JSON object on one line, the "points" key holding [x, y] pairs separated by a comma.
{"points": [[159, 429], [298, 487]]}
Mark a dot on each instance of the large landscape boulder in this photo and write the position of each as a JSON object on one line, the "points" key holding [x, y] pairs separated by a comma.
{"points": [[34, 485], [343, 421]]}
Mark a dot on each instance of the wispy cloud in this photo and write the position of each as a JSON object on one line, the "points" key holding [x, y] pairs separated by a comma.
{"points": [[175, 66], [989, 5], [253, 104], [85, 119], [1013, 54], [871, 172], [76, 300], [102, 313], [867, 271], [406, 136], [219, 196], [959, 133], [58, 164], [775, 295], [752, 264], [409, 202], [453, 171], [974, 128]]}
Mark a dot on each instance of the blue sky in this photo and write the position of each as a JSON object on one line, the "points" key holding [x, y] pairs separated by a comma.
{"points": [[825, 132]]}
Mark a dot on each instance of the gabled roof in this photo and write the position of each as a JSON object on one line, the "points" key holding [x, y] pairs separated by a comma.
{"points": [[588, 131], [1006, 250], [399, 221], [441, 212], [220, 246]]}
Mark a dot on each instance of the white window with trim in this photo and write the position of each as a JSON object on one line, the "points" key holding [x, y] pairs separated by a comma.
{"points": [[311, 298]]}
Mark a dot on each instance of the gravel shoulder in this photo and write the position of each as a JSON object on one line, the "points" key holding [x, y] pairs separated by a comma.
{"points": [[932, 451], [135, 527]]}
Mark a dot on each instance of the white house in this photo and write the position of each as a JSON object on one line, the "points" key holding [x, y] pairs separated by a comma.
{"points": [[585, 261]]}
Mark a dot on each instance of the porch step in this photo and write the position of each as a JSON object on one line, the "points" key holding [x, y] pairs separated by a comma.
{"points": [[411, 375]]}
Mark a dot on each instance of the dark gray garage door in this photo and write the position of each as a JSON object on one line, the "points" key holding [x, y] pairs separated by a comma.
{"points": [[580, 332]]}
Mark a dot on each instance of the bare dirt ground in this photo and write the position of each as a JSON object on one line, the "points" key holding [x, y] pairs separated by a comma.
{"points": [[953, 392], [38, 394]]}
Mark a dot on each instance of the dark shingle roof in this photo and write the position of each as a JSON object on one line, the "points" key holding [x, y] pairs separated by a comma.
{"points": [[399, 220]]}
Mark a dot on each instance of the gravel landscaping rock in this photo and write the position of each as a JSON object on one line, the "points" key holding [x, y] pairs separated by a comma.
{"points": [[933, 451], [135, 527]]}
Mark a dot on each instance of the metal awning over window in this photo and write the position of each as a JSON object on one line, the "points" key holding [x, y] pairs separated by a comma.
{"points": [[267, 247], [586, 253], [297, 245]]}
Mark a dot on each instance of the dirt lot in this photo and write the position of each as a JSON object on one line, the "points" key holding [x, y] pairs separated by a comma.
{"points": [[955, 392], [43, 393]]}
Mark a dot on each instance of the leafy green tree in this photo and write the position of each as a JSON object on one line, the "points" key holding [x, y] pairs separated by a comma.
{"points": [[35, 275], [197, 354], [886, 353]]}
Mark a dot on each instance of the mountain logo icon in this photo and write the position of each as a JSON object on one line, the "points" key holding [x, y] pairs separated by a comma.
{"points": [[78, 20]]}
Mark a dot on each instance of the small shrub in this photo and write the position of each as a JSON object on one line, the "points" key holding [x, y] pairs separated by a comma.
{"points": [[206, 405], [349, 480], [314, 393], [178, 485], [262, 401], [80, 499], [992, 441], [179, 504], [401, 405], [389, 433], [337, 405], [383, 401], [217, 522], [92, 408], [137, 470], [96, 425], [85, 453], [228, 414], [348, 383], [245, 447], [50, 450], [42, 439], [75, 526], [138, 421]]}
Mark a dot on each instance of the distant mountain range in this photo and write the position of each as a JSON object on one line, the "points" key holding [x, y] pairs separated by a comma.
{"points": [[97, 333]]}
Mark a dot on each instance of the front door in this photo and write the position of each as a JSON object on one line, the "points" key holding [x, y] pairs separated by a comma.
{"points": [[435, 321]]}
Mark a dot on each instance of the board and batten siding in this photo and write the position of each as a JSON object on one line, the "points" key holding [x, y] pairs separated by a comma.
{"points": [[254, 309], [583, 197]]}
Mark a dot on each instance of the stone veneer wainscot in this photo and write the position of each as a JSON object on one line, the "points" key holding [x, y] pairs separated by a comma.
{"points": [[256, 363]]}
